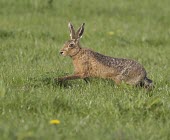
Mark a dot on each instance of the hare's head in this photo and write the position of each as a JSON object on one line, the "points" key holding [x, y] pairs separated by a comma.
{"points": [[72, 47]]}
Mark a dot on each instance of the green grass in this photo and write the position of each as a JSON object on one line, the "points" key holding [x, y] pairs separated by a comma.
{"points": [[31, 34]]}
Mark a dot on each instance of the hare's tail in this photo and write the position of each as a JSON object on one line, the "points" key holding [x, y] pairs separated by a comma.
{"points": [[147, 83]]}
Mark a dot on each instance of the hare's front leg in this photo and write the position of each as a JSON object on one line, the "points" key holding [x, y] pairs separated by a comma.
{"points": [[71, 77]]}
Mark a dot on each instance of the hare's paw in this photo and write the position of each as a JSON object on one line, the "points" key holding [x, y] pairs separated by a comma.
{"points": [[58, 80]]}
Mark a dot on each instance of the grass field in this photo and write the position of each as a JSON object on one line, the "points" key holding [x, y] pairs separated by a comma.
{"points": [[31, 34]]}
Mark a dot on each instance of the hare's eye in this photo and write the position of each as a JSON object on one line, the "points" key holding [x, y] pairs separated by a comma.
{"points": [[71, 45]]}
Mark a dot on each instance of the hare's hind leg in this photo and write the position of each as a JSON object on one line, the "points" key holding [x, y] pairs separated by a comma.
{"points": [[134, 81], [117, 80]]}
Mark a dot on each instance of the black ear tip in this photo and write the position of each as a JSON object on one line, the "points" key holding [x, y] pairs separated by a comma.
{"points": [[83, 24]]}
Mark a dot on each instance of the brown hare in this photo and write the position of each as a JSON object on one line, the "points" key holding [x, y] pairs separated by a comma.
{"points": [[88, 63]]}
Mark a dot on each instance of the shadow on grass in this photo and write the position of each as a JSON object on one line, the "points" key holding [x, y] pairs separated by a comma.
{"points": [[46, 79], [49, 79], [6, 34]]}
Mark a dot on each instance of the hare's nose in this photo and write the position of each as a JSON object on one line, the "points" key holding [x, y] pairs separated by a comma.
{"points": [[61, 52]]}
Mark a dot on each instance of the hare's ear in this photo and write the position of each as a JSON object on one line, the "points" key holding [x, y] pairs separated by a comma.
{"points": [[80, 31], [72, 31]]}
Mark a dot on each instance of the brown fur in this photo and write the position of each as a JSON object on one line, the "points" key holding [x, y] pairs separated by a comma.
{"points": [[88, 63]]}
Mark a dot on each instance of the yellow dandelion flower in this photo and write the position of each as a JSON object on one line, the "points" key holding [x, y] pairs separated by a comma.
{"points": [[111, 33], [54, 122]]}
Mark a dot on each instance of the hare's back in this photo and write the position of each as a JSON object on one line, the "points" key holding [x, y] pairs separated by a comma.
{"points": [[121, 65]]}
